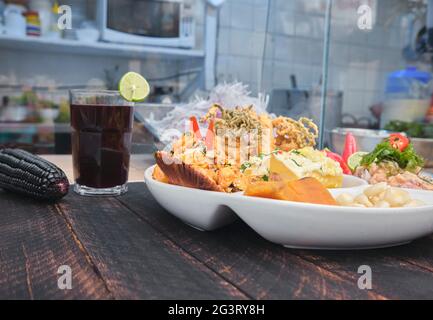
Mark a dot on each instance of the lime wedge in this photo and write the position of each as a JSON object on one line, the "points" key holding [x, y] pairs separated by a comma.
{"points": [[355, 160], [133, 87]]}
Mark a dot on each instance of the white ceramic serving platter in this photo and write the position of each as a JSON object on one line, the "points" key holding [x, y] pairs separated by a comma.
{"points": [[201, 209], [300, 225]]}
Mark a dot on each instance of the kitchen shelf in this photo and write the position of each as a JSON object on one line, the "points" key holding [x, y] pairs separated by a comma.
{"points": [[40, 44], [27, 127]]}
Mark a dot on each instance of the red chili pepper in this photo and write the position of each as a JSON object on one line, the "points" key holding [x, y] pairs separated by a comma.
{"points": [[398, 141], [210, 135], [339, 159], [194, 127], [349, 146]]}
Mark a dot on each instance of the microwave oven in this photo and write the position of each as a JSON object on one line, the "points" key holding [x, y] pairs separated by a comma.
{"points": [[168, 23]]}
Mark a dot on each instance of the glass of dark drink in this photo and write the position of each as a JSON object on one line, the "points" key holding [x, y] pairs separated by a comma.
{"points": [[101, 141]]}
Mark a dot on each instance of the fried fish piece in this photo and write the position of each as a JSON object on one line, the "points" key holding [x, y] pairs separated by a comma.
{"points": [[183, 174]]}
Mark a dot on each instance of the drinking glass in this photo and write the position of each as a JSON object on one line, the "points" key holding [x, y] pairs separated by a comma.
{"points": [[101, 124]]}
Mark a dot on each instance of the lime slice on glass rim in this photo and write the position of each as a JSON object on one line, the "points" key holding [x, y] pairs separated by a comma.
{"points": [[355, 160], [133, 87]]}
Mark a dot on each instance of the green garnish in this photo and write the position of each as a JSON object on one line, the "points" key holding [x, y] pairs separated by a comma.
{"points": [[412, 129], [262, 154], [245, 165], [296, 162], [407, 159], [265, 177]]}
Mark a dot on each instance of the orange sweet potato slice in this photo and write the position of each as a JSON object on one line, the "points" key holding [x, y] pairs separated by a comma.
{"points": [[307, 190], [268, 189], [310, 190]]}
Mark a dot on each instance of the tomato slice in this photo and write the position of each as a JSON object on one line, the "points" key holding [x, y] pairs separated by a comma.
{"points": [[194, 127], [339, 159], [398, 141], [349, 146], [210, 135]]}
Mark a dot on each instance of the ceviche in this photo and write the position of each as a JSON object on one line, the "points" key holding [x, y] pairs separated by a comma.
{"points": [[276, 157], [395, 162]]}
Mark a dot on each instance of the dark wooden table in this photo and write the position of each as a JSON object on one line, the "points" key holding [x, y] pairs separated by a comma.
{"points": [[130, 248]]}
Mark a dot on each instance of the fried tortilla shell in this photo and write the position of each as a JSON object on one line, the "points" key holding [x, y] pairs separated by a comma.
{"points": [[183, 174]]}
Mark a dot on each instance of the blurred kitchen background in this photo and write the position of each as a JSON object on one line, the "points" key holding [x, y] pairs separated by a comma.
{"points": [[366, 62]]}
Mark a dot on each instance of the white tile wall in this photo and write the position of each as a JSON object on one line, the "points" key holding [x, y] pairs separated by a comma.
{"points": [[259, 15], [242, 15], [282, 22], [293, 43], [358, 62], [284, 48], [281, 74], [239, 68]]}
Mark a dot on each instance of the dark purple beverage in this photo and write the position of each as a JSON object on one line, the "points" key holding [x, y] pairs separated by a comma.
{"points": [[101, 145]]}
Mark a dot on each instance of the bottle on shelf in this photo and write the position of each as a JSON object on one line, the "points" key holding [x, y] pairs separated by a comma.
{"points": [[43, 8], [33, 24]]}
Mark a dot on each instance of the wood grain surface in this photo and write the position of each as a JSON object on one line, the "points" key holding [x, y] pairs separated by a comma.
{"points": [[34, 242], [130, 248], [135, 260], [260, 268]]}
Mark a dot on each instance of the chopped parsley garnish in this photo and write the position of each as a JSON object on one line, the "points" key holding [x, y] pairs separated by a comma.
{"points": [[265, 177], [203, 150], [262, 154], [245, 165], [296, 162]]}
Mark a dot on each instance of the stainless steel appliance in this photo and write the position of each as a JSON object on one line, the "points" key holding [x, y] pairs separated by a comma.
{"points": [[147, 22]]}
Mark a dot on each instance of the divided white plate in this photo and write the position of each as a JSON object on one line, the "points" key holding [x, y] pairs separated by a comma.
{"points": [[300, 225], [201, 209]]}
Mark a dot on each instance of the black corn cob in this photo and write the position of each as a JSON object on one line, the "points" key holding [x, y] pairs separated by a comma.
{"points": [[30, 175]]}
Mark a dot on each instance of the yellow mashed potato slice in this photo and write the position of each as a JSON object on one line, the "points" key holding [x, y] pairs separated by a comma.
{"points": [[297, 164]]}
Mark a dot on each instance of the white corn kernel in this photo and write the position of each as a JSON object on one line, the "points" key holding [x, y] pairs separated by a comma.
{"points": [[397, 197], [363, 199], [382, 204], [344, 199], [375, 199], [375, 189], [382, 195]]}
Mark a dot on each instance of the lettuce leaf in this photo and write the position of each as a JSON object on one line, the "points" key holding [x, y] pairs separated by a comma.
{"points": [[407, 159]]}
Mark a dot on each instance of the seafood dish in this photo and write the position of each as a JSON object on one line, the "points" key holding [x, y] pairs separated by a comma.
{"points": [[395, 162], [268, 172], [261, 156], [235, 137]]}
